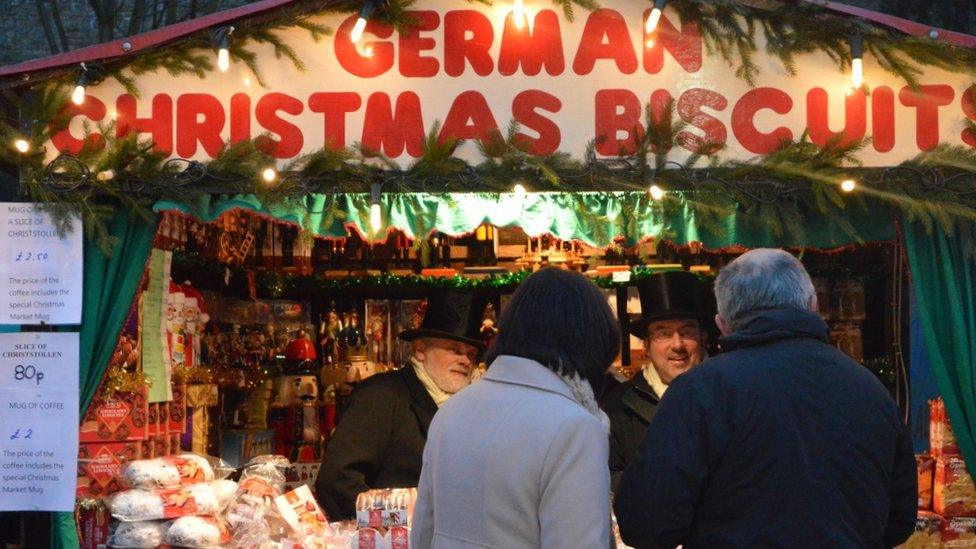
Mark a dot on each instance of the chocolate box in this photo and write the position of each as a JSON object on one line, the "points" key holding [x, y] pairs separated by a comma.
{"points": [[100, 465], [93, 525], [152, 427], [959, 532], [954, 494], [177, 409], [237, 447], [925, 466], [942, 439], [122, 418]]}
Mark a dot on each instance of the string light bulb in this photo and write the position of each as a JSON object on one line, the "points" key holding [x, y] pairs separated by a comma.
{"points": [[654, 18], [21, 145], [518, 12], [220, 40], [857, 61], [848, 185], [375, 213], [519, 190], [90, 75], [364, 12], [269, 175], [657, 193]]}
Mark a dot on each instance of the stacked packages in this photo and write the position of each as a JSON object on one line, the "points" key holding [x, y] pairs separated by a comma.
{"points": [[946, 493]]}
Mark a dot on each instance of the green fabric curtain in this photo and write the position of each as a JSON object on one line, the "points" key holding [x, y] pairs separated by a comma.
{"points": [[593, 218], [943, 277], [110, 284]]}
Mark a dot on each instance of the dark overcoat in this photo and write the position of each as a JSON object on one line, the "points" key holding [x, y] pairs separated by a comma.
{"points": [[630, 407], [781, 441], [378, 443]]}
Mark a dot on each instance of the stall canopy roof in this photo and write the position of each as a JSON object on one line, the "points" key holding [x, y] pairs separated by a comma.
{"points": [[116, 49]]}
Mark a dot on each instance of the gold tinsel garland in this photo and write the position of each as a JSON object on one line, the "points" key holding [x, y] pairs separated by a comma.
{"points": [[198, 374], [119, 380]]}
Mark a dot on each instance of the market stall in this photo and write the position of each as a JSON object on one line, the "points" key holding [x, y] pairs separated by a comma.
{"points": [[269, 194]]}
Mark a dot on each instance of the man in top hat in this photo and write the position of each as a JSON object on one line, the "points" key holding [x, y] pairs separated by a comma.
{"points": [[380, 439], [672, 326]]}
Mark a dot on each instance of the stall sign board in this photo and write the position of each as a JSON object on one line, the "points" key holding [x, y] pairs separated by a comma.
{"points": [[38, 421], [40, 268]]}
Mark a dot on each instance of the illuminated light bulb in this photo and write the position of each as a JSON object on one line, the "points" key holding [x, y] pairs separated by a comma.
{"points": [[375, 217], [21, 145], [519, 190], [649, 44], [368, 51], [247, 81], [653, 19], [106, 175], [78, 96], [657, 193], [357, 30], [223, 59], [857, 72], [848, 185], [518, 13], [269, 175]]}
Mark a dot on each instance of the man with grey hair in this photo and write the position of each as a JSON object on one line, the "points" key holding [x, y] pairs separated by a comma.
{"points": [[781, 441]]}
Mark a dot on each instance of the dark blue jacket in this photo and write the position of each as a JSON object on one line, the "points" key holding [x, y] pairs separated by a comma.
{"points": [[781, 441]]}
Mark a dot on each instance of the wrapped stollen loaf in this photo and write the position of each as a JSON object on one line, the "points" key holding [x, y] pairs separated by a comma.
{"points": [[147, 533], [167, 472], [197, 532], [138, 504]]}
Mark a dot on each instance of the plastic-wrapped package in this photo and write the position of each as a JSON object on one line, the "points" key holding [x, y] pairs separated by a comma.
{"points": [[137, 504], [226, 492], [197, 532], [131, 535], [168, 472]]}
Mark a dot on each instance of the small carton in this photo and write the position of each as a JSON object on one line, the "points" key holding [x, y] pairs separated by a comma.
{"points": [[925, 466], [152, 427], [100, 466], [954, 494], [177, 409], [942, 439], [959, 532], [123, 417]]}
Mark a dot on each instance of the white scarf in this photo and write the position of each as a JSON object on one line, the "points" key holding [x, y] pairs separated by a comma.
{"points": [[583, 394], [439, 395], [654, 380]]}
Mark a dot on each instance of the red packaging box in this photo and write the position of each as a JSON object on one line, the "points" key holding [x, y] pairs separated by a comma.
{"points": [[122, 418], [959, 532], [177, 409], [93, 522], [954, 494], [161, 445], [152, 429], [174, 444], [925, 466], [100, 465], [148, 449], [162, 428], [942, 439]]}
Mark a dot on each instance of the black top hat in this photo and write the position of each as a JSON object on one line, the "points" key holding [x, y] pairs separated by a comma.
{"points": [[668, 296], [452, 315]]}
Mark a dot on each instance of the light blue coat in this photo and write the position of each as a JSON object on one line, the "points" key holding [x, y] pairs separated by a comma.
{"points": [[511, 462]]}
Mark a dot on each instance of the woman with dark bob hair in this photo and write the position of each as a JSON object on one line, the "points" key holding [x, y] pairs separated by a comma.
{"points": [[519, 459]]}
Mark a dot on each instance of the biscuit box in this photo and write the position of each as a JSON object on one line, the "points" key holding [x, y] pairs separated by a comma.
{"points": [[121, 418], [959, 532], [152, 428], [100, 466], [161, 445], [954, 494], [177, 409], [925, 466], [942, 439], [174, 444]]}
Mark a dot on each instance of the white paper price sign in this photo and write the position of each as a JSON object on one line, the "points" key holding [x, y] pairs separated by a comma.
{"points": [[40, 272], [38, 421]]}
